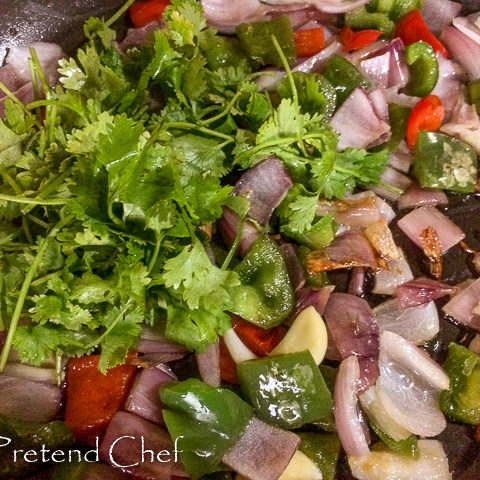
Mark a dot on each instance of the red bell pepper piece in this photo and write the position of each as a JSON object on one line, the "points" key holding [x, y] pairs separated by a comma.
{"points": [[142, 13], [355, 40], [261, 342], [412, 28], [427, 115], [93, 398], [309, 42]]}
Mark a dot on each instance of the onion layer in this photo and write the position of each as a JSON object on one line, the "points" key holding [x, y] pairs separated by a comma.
{"points": [[461, 306]]}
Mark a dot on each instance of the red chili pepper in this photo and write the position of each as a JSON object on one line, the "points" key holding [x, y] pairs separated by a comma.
{"points": [[412, 28], [427, 115], [94, 398], [355, 40], [142, 13], [309, 42]]}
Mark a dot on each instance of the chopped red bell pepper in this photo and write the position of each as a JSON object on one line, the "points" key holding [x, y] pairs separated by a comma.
{"points": [[261, 342], [412, 28], [355, 40], [93, 398], [142, 13], [228, 368], [477, 434], [427, 115], [309, 42]]}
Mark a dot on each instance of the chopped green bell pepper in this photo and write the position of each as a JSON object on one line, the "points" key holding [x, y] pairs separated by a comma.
{"points": [[256, 39], [444, 162], [265, 296], [29, 436], [315, 93], [462, 401], [362, 19], [398, 115], [207, 422], [285, 390], [344, 76], [424, 69], [402, 7], [315, 280], [474, 94], [323, 449], [407, 447], [221, 52]]}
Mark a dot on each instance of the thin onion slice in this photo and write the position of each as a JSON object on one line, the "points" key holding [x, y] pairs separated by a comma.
{"points": [[348, 419], [238, 350], [461, 306], [421, 291]]}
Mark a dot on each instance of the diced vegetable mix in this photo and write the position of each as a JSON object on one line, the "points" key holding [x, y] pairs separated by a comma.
{"points": [[112, 191]]}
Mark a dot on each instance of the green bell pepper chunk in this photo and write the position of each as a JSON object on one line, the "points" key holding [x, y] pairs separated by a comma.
{"points": [[315, 280], [329, 374], [207, 422], [221, 52], [407, 447], [256, 40], [323, 449], [398, 115], [474, 94], [424, 69], [402, 7], [344, 76], [444, 162], [380, 6], [29, 436], [285, 390], [362, 19], [315, 93], [265, 296], [462, 401]]}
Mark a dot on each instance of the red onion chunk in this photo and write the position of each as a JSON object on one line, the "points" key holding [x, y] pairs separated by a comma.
{"points": [[357, 123], [380, 103], [416, 196], [398, 272], [439, 13], [400, 161], [143, 399], [295, 268], [415, 222], [467, 26], [349, 249], [228, 226], [328, 6], [163, 346], [448, 86], [356, 283], [262, 451], [394, 178], [398, 72], [421, 291], [265, 186], [464, 50], [461, 306], [24, 94], [29, 400], [377, 69], [138, 36], [309, 297], [9, 78], [355, 332], [409, 386], [350, 424], [208, 363], [99, 471], [118, 448], [416, 324]]}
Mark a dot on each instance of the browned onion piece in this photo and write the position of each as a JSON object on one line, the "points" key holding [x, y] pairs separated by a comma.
{"points": [[350, 249], [262, 452]]}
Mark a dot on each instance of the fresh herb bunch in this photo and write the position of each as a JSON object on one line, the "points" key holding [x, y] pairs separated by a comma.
{"points": [[107, 183]]}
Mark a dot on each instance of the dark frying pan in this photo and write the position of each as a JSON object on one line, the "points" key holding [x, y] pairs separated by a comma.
{"points": [[61, 21]]}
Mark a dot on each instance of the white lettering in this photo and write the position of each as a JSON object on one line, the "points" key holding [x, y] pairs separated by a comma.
{"points": [[175, 448], [110, 453], [8, 441], [30, 453], [94, 451]]}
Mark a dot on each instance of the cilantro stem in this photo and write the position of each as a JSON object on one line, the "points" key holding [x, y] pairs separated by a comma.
{"points": [[284, 60], [353, 173], [51, 101], [192, 126], [12, 97], [225, 112], [39, 70], [153, 259], [234, 246], [391, 187], [96, 342], [33, 201], [36, 95], [24, 290], [119, 13]]}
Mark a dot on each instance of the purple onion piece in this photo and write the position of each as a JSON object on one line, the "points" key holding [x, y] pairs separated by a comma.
{"points": [[99, 471], [421, 291], [295, 268], [356, 284], [309, 297], [161, 346], [357, 123], [143, 399], [439, 13], [461, 306], [208, 363], [265, 186], [416, 196], [262, 451], [138, 36], [128, 451], [29, 400], [350, 249], [355, 332]]}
